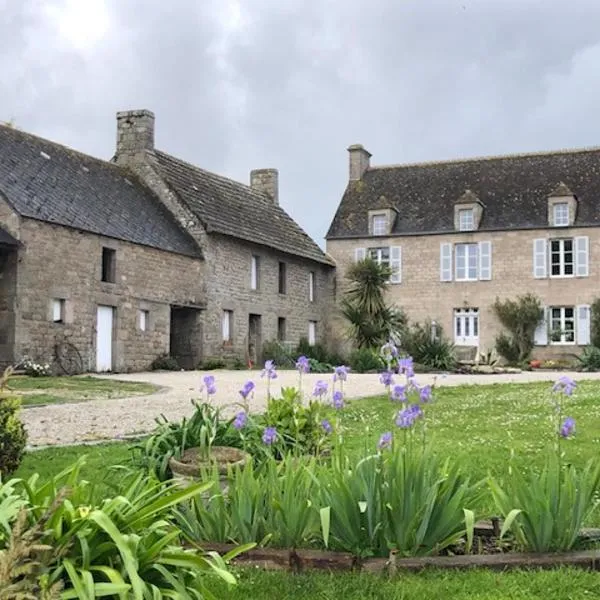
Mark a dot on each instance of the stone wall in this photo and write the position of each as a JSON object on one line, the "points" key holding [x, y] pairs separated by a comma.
{"points": [[228, 288], [423, 296], [60, 263]]}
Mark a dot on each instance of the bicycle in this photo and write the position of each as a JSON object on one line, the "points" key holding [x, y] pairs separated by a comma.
{"points": [[67, 356]]}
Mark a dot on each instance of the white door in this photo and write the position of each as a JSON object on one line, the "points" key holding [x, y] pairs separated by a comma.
{"points": [[466, 327], [104, 338]]}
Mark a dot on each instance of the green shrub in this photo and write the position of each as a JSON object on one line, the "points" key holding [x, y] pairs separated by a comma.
{"points": [[212, 364], [164, 362], [13, 437], [590, 359], [427, 349], [366, 360], [595, 323], [520, 317], [317, 352], [319, 367], [279, 354]]}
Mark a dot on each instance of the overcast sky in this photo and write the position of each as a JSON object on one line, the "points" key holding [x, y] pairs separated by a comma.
{"points": [[243, 84]]}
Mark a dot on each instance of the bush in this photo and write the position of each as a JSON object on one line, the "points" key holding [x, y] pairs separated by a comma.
{"points": [[317, 352], [34, 369], [212, 364], [366, 360], [595, 322], [13, 437], [520, 317], [279, 354], [433, 352], [164, 362], [590, 359], [319, 367]]}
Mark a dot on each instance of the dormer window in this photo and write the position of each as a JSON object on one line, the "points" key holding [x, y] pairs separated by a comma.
{"points": [[466, 220], [560, 214], [379, 224]]}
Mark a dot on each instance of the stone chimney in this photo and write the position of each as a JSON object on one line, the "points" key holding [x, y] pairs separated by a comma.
{"points": [[267, 181], [135, 133], [360, 161]]}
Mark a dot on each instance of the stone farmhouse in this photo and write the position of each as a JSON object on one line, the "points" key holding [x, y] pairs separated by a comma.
{"points": [[458, 234], [107, 265]]}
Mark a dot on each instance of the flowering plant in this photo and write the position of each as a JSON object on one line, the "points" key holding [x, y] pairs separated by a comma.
{"points": [[34, 369]]}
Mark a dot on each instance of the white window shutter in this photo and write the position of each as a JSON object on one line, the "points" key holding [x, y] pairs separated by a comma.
{"points": [[445, 262], [396, 264], [540, 258], [540, 337], [581, 256], [360, 254], [583, 324], [485, 260]]}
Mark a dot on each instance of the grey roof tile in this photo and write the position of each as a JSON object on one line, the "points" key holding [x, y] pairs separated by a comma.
{"points": [[231, 208], [49, 182], [513, 190]]}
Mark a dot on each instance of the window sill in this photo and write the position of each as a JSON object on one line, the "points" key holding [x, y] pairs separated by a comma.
{"points": [[562, 344], [563, 276], [465, 280]]}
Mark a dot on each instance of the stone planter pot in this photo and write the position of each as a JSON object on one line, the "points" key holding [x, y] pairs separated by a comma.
{"points": [[187, 469]]}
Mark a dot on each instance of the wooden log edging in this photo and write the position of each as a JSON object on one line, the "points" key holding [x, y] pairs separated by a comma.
{"points": [[297, 561]]}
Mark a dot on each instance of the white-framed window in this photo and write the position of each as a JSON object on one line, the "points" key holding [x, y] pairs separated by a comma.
{"points": [[466, 220], [254, 277], [389, 257], [58, 310], [380, 255], [560, 214], [467, 262], [562, 259], [227, 325], [466, 326], [311, 286], [379, 225], [143, 320], [312, 332], [562, 324]]}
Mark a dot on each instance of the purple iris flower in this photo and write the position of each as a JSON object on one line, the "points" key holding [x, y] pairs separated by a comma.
{"points": [[399, 393], [405, 366], [320, 389], [385, 441], [568, 427], [387, 378], [209, 382], [326, 426], [247, 389], [389, 351], [564, 385], [303, 364], [338, 399], [406, 417], [425, 393], [240, 420], [269, 370], [341, 373], [269, 435]]}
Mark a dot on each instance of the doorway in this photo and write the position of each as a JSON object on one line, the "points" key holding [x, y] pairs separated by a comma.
{"points": [[104, 338], [255, 338], [466, 327], [185, 341]]}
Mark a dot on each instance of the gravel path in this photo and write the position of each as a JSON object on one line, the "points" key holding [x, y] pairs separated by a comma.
{"points": [[108, 419]]}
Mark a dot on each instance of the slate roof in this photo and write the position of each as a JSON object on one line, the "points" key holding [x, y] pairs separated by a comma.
{"points": [[46, 181], [231, 208], [513, 189]]}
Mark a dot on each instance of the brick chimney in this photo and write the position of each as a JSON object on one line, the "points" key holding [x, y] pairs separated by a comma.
{"points": [[360, 161], [135, 133], [267, 181]]}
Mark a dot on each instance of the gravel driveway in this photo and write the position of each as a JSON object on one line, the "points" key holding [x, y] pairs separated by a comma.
{"points": [[108, 419]]}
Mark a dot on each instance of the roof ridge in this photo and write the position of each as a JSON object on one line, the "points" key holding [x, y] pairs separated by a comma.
{"points": [[60, 146], [213, 174], [488, 157]]}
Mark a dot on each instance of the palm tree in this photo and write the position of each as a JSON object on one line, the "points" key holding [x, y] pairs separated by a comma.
{"points": [[372, 321]]}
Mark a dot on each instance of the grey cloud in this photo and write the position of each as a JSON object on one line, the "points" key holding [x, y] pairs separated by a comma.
{"points": [[299, 80]]}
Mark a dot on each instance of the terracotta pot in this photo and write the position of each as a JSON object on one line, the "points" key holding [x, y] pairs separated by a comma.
{"points": [[187, 469]]}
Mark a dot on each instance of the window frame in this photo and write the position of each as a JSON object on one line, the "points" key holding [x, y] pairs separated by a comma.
{"points": [[379, 255], [562, 263], [311, 286], [108, 272], [60, 305], [282, 278], [312, 333], [469, 250], [143, 320], [281, 329], [555, 210], [562, 320], [227, 324], [466, 224], [379, 224], [255, 272]]}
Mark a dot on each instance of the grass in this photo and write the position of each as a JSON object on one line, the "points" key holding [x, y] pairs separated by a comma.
{"points": [[559, 584], [35, 391]]}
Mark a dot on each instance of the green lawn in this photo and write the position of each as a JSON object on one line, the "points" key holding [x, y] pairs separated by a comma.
{"points": [[50, 390], [559, 584], [480, 426]]}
